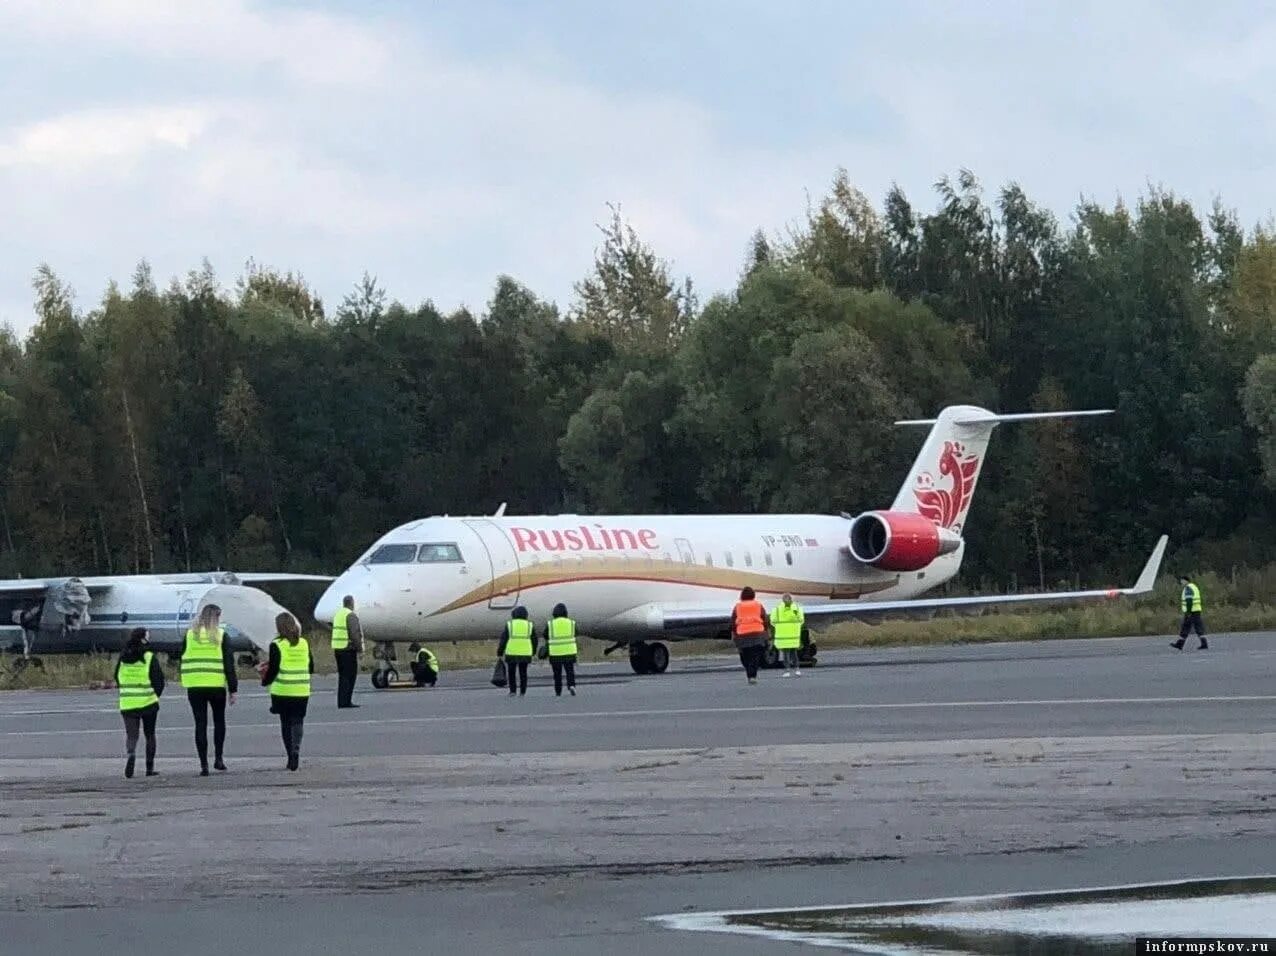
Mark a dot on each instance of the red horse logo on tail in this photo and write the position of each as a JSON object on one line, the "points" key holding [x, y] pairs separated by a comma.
{"points": [[945, 505]]}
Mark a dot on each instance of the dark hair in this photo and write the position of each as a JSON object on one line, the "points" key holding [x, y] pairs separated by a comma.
{"points": [[286, 625], [560, 610], [519, 612], [136, 637], [747, 594], [1185, 577], [414, 647], [348, 601]]}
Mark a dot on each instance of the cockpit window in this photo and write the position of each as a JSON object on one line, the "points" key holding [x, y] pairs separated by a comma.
{"points": [[439, 554], [393, 554]]}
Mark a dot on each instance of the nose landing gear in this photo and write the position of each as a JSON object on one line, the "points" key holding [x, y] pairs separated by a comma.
{"points": [[384, 674]]}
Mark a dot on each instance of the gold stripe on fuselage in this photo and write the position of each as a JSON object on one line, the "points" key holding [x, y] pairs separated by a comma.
{"points": [[577, 570]]}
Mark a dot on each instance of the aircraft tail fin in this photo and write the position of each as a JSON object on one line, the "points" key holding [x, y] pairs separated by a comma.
{"points": [[941, 483]]}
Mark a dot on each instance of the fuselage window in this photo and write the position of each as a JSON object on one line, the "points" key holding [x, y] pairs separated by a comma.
{"points": [[440, 554], [393, 554]]}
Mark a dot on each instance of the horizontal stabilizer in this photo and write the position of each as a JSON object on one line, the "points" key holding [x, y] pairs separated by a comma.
{"points": [[990, 418]]}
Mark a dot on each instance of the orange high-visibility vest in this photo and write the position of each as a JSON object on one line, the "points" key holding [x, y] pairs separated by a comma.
{"points": [[748, 619]]}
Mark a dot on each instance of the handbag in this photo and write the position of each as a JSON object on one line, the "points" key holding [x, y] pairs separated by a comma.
{"points": [[498, 674]]}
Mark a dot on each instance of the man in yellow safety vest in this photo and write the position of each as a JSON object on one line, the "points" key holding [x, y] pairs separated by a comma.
{"points": [[1190, 603], [786, 622]]}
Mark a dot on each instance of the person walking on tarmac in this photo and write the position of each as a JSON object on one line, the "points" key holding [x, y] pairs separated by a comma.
{"points": [[786, 622], [140, 679], [1190, 602], [425, 666], [518, 645], [208, 674], [560, 636], [347, 645], [748, 626], [287, 674]]}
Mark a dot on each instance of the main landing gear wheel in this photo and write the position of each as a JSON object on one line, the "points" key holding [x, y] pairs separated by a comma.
{"points": [[383, 678], [649, 658]]}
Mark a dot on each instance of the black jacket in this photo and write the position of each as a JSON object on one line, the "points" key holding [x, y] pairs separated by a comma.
{"points": [[132, 656]]}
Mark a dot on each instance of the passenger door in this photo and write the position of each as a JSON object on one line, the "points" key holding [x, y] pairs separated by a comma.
{"points": [[687, 554], [505, 582]]}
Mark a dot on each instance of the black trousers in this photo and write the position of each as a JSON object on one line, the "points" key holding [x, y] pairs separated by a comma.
{"points": [[517, 667], [347, 671], [752, 658], [564, 662], [1192, 621], [144, 721], [424, 674], [292, 719], [202, 700]]}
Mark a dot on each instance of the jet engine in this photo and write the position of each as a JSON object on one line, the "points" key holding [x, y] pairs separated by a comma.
{"points": [[898, 541]]}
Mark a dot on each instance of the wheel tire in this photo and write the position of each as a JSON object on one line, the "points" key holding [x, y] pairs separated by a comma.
{"points": [[771, 659], [657, 658], [379, 680], [640, 659], [807, 653]]}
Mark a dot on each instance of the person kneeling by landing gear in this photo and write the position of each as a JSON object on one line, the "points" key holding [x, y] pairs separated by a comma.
{"points": [[425, 666]]}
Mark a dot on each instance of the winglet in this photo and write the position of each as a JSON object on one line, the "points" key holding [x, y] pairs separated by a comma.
{"points": [[500, 512], [1147, 579]]}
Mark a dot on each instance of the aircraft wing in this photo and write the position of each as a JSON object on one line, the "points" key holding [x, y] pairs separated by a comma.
{"points": [[36, 587], [684, 619], [273, 577]]}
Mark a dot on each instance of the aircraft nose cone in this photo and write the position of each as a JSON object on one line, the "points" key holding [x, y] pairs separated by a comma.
{"points": [[358, 584]]}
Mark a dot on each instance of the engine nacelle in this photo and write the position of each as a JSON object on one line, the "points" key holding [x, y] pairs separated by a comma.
{"points": [[897, 541]]}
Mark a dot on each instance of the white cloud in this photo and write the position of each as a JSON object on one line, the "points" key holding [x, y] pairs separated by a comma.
{"points": [[314, 47], [87, 140]]}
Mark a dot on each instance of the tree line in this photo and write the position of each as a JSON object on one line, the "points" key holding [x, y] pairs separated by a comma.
{"points": [[193, 426]]}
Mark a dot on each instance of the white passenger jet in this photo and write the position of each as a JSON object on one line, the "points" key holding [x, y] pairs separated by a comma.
{"points": [[638, 581], [79, 615]]}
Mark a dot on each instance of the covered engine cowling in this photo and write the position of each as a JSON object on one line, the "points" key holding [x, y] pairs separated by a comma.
{"points": [[898, 541]]}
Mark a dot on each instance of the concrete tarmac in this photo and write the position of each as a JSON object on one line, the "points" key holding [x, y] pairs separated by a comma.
{"points": [[543, 824]]}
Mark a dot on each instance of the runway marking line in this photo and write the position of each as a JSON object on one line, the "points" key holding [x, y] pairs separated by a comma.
{"points": [[690, 711]]}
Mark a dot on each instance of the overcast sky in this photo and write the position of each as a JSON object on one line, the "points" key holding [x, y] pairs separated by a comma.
{"points": [[439, 145]]}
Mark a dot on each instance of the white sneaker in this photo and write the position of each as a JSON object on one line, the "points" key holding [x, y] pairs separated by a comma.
{"points": [[799, 672], [787, 674]]}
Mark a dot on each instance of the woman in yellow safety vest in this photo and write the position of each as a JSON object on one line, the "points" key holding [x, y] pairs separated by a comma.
{"points": [[140, 679], [208, 674], [517, 647], [287, 674]]}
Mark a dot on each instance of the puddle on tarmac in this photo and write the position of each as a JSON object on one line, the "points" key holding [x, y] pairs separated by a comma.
{"points": [[1092, 922]]}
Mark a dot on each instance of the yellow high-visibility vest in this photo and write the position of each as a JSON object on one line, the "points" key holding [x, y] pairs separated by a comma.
{"points": [[136, 692], [1191, 601], [519, 643], [340, 631], [202, 660], [787, 622], [561, 632], [293, 679]]}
